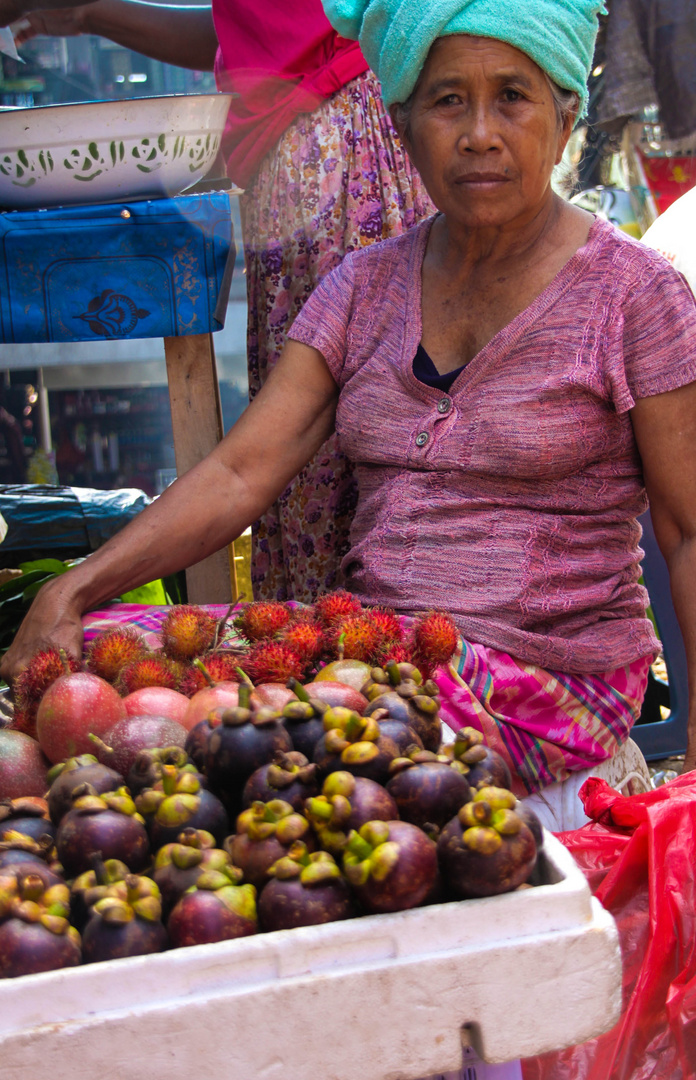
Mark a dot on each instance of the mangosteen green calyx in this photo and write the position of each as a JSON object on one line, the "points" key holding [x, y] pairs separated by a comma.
{"points": [[355, 744], [303, 719], [178, 801], [245, 739], [264, 833], [306, 888], [347, 802], [178, 866], [27, 815], [64, 777], [428, 789], [107, 823], [19, 853], [94, 885], [398, 691], [147, 768], [35, 932], [487, 848], [484, 766], [125, 922], [290, 777], [391, 865], [216, 908]]}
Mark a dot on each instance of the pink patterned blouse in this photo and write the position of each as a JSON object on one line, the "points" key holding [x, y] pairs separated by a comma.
{"points": [[511, 500]]}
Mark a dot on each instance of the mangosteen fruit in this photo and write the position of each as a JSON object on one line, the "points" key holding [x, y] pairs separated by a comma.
{"points": [[391, 865], [485, 767], [67, 775], [94, 885], [306, 889], [216, 908], [119, 746], [264, 833], [402, 733], [177, 802], [21, 854], [428, 789], [108, 823], [125, 925], [178, 866], [347, 802], [28, 815], [303, 719], [355, 744], [290, 776], [35, 932], [196, 744], [245, 740], [407, 698], [146, 770], [486, 848]]}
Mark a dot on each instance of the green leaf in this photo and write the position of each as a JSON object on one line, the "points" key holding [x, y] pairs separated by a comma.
{"points": [[152, 593], [54, 565]]}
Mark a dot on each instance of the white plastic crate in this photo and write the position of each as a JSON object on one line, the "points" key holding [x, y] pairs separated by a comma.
{"points": [[383, 997]]}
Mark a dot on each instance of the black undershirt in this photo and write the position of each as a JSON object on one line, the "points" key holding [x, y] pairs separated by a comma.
{"points": [[426, 372]]}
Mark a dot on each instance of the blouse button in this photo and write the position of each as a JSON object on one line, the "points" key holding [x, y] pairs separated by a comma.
{"points": [[444, 405], [422, 439]]}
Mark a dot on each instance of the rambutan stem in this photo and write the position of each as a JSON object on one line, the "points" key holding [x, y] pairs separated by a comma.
{"points": [[221, 623], [64, 661], [197, 663], [341, 644]]}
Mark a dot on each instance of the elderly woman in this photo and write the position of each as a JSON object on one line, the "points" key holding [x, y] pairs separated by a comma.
{"points": [[509, 378]]}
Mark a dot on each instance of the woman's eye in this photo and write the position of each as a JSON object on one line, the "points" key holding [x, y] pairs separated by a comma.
{"points": [[448, 99], [510, 94]]}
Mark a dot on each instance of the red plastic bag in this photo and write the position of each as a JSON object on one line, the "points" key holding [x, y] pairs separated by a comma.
{"points": [[639, 856]]}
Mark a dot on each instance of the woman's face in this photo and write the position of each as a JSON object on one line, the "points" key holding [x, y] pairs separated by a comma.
{"points": [[483, 132]]}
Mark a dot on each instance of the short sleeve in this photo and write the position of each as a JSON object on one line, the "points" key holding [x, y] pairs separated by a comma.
{"points": [[659, 334], [323, 321]]}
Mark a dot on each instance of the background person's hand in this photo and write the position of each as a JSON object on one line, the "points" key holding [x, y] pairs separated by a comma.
{"points": [[57, 22]]}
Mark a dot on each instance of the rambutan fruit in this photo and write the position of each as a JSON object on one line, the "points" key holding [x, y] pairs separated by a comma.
{"points": [[386, 621], [333, 607], [24, 717], [435, 638], [152, 670], [187, 631], [220, 666], [273, 661], [43, 670], [262, 619], [306, 638], [398, 651], [357, 639], [111, 650]]}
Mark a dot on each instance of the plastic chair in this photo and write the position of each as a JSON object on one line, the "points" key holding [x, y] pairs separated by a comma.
{"points": [[664, 738]]}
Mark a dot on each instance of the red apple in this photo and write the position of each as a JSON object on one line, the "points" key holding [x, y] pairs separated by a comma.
{"points": [[23, 766], [157, 701], [72, 707]]}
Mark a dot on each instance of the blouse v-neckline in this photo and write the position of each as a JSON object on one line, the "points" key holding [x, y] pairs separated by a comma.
{"points": [[503, 338]]}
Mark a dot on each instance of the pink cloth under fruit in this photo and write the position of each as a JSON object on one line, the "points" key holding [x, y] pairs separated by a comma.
{"points": [[544, 723], [512, 500]]}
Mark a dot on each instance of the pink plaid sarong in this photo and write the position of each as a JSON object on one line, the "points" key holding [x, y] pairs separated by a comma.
{"points": [[546, 724]]}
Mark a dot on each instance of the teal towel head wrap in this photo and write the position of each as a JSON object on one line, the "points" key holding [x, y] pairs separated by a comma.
{"points": [[396, 35]]}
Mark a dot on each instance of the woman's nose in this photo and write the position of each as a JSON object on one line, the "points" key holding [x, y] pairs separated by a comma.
{"points": [[480, 133]]}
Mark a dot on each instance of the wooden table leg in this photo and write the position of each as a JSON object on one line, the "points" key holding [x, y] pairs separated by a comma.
{"points": [[194, 397]]}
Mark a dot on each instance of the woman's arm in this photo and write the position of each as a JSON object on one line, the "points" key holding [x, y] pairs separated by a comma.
{"points": [[201, 512], [184, 36], [665, 430]]}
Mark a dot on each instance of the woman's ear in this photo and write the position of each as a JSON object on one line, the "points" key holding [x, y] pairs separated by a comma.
{"points": [[396, 113], [566, 132]]}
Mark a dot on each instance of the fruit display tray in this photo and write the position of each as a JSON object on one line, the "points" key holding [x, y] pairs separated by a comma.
{"points": [[383, 997]]}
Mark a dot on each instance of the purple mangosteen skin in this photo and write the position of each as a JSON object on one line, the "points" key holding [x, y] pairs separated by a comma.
{"points": [[211, 815], [469, 874], [101, 777], [257, 789], [283, 905], [201, 918], [28, 948], [412, 881], [235, 752], [429, 793], [491, 771], [105, 941], [113, 835]]}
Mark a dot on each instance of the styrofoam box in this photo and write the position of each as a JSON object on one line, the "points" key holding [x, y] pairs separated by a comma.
{"points": [[383, 997]]}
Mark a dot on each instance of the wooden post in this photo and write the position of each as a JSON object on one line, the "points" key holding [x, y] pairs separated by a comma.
{"points": [[194, 397]]}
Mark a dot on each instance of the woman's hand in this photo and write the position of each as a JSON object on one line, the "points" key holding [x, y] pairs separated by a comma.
{"points": [[202, 512], [665, 430], [12, 11], [59, 22]]}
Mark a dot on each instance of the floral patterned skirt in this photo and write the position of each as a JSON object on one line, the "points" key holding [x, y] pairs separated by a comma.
{"points": [[338, 179]]}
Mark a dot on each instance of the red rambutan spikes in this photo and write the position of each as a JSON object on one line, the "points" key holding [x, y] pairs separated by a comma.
{"points": [[435, 638], [262, 619], [399, 652], [111, 650], [386, 621], [359, 638], [187, 631], [43, 669], [152, 670], [220, 666], [305, 637], [333, 607], [273, 661]]}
